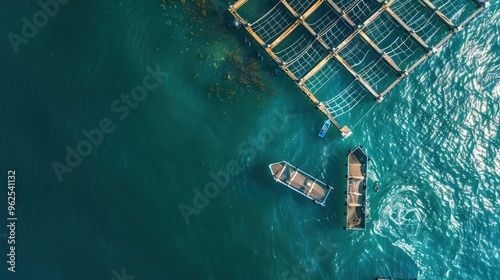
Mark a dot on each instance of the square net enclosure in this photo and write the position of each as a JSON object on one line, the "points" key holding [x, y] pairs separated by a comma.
{"points": [[374, 43]]}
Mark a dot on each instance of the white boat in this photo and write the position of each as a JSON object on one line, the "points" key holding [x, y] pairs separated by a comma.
{"points": [[301, 182]]}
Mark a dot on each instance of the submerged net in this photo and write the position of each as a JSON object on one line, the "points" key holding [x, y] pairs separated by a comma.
{"points": [[323, 76], [300, 6], [418, 17], [307, 59], [453, 10], [272, 24], [376, 62], [361, 10], [383, 31], [346, 100]]}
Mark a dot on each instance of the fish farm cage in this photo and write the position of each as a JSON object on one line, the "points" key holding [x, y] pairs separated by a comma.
{"points": [[363, 47]]}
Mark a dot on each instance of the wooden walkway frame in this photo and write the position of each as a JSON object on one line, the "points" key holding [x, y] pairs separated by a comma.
{"points": [[269, 49], [441, 16], [300, 19], [417, 38], [482, 7], [238, 4]]}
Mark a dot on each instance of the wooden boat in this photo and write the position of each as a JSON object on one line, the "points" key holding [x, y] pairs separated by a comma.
{"points": [[325, 128], [357, 169], [301, 182]]}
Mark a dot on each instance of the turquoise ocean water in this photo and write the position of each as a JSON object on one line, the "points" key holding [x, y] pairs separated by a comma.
{"points": [[434, 144]]}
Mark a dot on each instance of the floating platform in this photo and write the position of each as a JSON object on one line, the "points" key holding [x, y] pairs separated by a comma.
{"points": [[301, 182], [352, 50], [357, 170]]}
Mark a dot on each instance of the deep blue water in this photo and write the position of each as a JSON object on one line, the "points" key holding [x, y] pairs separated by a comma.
{"points": [[434, 144]]}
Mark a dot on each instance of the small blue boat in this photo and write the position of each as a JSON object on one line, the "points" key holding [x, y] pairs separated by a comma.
{"points": [[325, 128]]}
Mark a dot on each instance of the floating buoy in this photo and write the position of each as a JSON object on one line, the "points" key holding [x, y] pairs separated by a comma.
{"points": [[237, 24]]}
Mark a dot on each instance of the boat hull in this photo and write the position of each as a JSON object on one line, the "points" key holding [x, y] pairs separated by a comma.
{"points": [[357, 170], [325, 128], [301, 182]]}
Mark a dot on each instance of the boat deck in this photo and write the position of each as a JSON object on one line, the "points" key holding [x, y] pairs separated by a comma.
{"points": [[301, 182], [357, 169]]}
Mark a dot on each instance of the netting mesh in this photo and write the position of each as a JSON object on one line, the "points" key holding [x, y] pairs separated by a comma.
{"points": [[376, 73], [383, 31], [346, 5], [336, 33], [295, 49], [453, 10], [301, 52], [401, 49], [307, 59], [324, 21], [361, 10], [408, 10], [430, 28], [273, 23], [419, 18], [323, 76], [300, 6], [357, 54], [346, 100]]}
